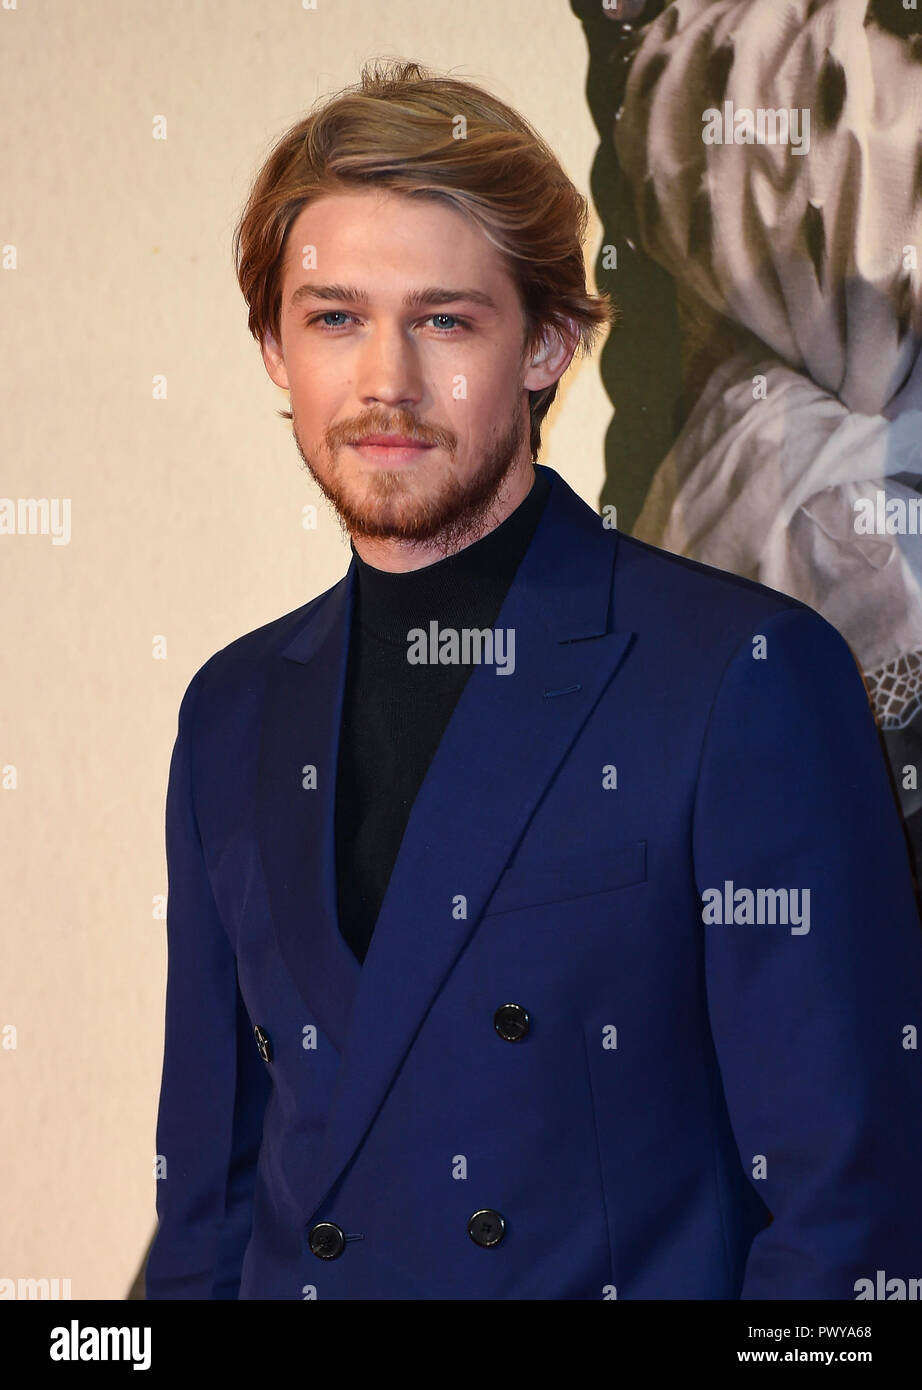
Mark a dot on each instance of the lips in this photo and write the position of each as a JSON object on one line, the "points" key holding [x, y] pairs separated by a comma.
{"points": [[393, 441]]}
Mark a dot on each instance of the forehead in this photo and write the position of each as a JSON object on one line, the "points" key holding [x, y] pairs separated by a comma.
{"points": [[388, 242]]}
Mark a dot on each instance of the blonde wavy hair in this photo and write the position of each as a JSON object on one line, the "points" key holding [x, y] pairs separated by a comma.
{"points": [[395, 129]]}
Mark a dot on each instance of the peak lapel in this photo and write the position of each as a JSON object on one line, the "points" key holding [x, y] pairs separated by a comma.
{"points": [[295, 825], [503, 743]]}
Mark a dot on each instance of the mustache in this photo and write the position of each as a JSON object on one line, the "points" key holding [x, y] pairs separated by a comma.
{"points": [[402, 422]]}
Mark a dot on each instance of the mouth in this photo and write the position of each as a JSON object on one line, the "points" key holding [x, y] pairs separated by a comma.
{"points": [[390, 448]]}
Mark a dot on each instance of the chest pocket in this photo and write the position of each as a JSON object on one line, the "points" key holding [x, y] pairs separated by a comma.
{"points": [[555, 874]]}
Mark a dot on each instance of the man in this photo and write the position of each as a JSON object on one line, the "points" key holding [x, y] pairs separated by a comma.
{"points": [[540, 925]]}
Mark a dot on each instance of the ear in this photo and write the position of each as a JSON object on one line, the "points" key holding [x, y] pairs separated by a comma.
{"points": [[274, 361], [552, 355]]}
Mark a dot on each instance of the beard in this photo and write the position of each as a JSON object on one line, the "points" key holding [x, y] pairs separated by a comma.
{"points": [[437, 509]]}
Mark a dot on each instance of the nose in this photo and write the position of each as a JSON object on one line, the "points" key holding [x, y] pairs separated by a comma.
{"points": [[388, 371]]}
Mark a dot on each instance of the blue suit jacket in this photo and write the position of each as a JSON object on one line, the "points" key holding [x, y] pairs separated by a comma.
{"points": [[712, 1109]]}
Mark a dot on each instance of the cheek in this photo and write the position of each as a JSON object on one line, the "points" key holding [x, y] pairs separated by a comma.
{"points": [[320, 393], [474, 396]]}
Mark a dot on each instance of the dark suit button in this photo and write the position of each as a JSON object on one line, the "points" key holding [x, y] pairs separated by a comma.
{"points": [[264, 1043], [327, 1240], [486, 1227], [511, 1022]]}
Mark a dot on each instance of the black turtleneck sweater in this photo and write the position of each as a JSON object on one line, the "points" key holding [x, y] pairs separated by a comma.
{"points": [[394, 712]]}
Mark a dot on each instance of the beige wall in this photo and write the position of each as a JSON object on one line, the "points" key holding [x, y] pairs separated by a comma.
{"points": [[185, 512]]}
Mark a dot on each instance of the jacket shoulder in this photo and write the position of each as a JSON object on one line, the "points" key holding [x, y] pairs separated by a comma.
{"points": [[245, 656], [667, 586]]}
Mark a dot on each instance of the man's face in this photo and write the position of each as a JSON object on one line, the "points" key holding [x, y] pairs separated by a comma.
{"points": [[402, 321]]}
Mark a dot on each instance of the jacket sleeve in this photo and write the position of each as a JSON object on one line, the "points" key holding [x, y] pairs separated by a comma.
{"points": [[815, 1022], [213, 1085]]}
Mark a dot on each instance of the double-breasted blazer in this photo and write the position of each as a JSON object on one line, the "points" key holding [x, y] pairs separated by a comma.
{"points": [[638, 1017]]}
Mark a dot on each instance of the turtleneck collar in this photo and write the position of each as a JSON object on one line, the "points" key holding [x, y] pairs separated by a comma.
{"points": [[465, 589]]}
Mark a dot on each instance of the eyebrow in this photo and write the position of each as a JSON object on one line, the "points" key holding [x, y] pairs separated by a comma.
{"points": [[432, 294]]}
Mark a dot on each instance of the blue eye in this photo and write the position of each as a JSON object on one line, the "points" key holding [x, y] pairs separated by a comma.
{"points": [[454, 325]]}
